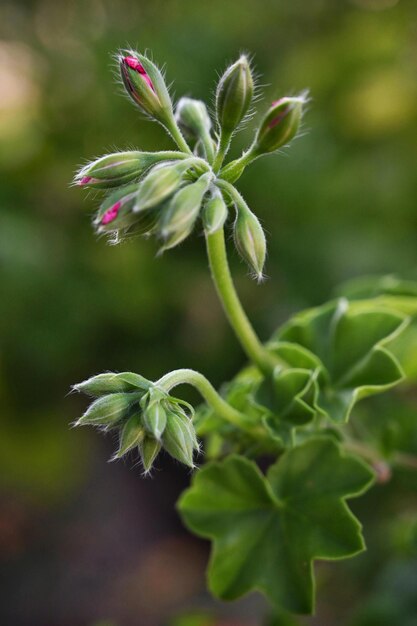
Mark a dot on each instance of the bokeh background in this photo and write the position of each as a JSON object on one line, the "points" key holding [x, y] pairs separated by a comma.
{"points": [[85, 542]]}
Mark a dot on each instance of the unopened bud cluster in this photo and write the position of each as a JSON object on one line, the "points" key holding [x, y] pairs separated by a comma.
{"points": [[146, 418], [166, 193]]}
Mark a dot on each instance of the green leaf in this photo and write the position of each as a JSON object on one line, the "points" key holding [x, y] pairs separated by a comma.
{"points": [[266, 531], [351, 346], [291, 396]]}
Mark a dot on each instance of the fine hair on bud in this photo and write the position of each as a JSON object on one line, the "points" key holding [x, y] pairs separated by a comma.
{"points": [[234, 95]]}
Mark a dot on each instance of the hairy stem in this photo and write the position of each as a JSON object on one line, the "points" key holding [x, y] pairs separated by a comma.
{"points": [[208, 146], [219, 266], [177, 136], [222, 148], [210, 395], [233, 170]]}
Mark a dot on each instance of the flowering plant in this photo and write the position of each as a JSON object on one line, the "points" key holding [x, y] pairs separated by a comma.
{"points": [[292, 403]]}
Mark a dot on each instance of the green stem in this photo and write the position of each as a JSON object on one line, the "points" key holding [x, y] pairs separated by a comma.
{"points": [[222, 148], [219, 266], [210, 395], [208, 146], [177, 136], [234, 170]]}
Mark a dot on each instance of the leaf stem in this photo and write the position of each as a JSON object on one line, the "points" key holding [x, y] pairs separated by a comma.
{"points": [[219, 266], [210, 395]]}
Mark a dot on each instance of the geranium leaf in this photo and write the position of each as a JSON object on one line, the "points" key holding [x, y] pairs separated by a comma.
{"points": [[351, 346], [291, 396], [266, 531]]}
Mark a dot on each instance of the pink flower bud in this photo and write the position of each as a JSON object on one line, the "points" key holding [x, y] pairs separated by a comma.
{"points": [[85, 180], [111, 214], [138, 67], [145, 84]]}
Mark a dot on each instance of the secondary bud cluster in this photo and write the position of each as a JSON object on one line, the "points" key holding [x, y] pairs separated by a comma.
{"points": [[165, 193], [167, 202], [145, 416]]}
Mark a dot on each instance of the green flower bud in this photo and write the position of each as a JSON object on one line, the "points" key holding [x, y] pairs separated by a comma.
{"points": [[149, 449], [175, 238], [214, 213], [110, 382], [279, 125], [120, 168], [193, 118], [108, 410], [250, 240], [154, 416], [179, 438], [145, 85], [160, 183], [234, 95], [184, 208], [131, 436]]}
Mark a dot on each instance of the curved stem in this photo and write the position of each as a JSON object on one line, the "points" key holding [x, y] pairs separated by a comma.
{"points": [[210, 395], [222, 279]]}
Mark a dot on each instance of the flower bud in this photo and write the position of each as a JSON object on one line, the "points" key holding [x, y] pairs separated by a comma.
{"points": [[193, 118], [110, 382], [116, 212], [114, 170], [279, 125], [159, 184], [149, 449], [154, 415], [179, 438], [108, 410], [132, 435], [145, 85], [250, 240], [214, 213], [184, 208], [234, 94]]}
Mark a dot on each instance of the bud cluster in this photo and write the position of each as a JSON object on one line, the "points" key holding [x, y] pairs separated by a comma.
{"points": [[145, 416], [164, 193]]}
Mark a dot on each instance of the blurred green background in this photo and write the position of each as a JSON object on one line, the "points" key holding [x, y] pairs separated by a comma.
{"points": [[82, 540]]}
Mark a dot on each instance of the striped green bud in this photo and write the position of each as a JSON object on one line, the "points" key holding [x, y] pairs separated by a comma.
{"points": [[145, 85], [111, 382], [183, 210], [250, 240], [179, 438], [154, 416], [149, 449], [131, 436], [214, 213], [120, 168], [108, 410], [234, 95], [279, 125], [160, 183]]}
